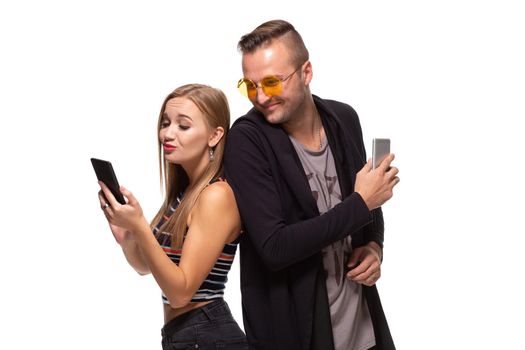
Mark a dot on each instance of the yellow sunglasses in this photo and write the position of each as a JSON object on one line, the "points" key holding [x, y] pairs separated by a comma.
{"points": [[271, 85]]}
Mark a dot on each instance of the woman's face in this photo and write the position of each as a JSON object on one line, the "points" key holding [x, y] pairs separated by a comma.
{"points": [[184, 134]]}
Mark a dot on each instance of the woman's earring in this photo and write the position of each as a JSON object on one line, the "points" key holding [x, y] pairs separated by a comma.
{"points": [[211, 154]]}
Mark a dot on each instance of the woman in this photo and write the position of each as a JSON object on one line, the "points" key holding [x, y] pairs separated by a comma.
{"points": [[196, 231]]}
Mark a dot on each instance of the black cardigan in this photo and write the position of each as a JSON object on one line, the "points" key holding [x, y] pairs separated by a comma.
{"points": [[280, 250]]}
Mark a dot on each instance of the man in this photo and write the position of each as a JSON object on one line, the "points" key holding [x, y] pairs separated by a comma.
{"points": [[312, 248]]}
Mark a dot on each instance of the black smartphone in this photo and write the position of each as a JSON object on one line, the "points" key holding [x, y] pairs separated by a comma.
{"points": [[105, 173]]}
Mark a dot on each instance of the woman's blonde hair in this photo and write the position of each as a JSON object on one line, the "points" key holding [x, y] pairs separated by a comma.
{"points": [[174, 180]]}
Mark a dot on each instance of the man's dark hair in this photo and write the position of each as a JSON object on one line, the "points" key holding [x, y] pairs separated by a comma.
{"points": [[264, 34]]}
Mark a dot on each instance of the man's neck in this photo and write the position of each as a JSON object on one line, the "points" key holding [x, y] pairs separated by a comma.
{"points": [[306, 127]]}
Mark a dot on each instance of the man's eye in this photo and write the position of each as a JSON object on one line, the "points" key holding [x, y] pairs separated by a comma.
{"points": [[250, 84], [271, 81]]}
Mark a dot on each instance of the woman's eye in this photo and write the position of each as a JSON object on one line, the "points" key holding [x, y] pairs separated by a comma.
{"points": [[164, 125], [184, 127]]}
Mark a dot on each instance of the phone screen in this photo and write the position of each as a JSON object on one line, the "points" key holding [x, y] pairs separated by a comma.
{"points": [[105, 173]]}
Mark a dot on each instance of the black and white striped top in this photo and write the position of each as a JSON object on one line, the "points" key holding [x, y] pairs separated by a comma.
{"points": [[214, 284]]}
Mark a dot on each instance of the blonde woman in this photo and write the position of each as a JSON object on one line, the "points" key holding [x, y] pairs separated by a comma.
{"points": [[196, 230]]}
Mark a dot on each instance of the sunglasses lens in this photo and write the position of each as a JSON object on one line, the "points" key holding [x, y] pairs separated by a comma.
{"points": [[247, 88], [272, 86]]}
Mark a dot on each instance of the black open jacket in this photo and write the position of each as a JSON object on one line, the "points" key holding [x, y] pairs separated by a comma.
{"points": [[284, 234]]}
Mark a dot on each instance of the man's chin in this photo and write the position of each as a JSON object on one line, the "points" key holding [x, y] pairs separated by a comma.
{"points": [[273, 118]]}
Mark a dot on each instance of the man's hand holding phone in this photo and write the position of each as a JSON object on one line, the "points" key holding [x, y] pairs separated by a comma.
{"points": [[376, 185]]}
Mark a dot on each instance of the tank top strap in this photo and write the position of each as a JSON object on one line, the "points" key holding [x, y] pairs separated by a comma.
{"points": [[216, 179]]}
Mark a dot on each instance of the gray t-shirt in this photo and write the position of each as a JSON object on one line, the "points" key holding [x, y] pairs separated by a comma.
{"points": [[351, 323]]}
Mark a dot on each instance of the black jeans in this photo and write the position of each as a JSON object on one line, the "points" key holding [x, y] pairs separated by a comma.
{"points": [[209, 327]]}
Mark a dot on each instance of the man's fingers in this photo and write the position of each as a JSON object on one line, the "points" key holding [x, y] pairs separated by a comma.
{"points": [[361, 268], [395, 180], [367, 167], [372, 279], [393, 171], [362, 277], [370, 276], [368, 270], [385, 164]]}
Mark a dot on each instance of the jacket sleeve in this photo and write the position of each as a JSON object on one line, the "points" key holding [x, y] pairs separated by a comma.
{"points": [[375, 230], [252, 175]]}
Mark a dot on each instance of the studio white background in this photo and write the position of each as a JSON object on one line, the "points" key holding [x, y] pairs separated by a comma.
{"points": [[445, 80]]}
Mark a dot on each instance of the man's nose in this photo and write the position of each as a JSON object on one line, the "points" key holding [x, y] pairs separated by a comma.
{"points": [[261, 96]]}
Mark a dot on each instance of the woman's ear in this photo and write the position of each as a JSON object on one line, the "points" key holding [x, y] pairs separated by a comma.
{"points": [[216, 136]]}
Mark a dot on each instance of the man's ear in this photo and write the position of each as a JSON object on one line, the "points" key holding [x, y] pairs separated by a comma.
{"points": [[308, 72], [216, 136]]}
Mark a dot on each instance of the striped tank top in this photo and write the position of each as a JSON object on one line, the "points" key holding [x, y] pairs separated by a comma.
{"points": [[214, 284]]}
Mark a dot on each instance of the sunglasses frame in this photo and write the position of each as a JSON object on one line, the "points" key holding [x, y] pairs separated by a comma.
{"points": [[268, 90]]}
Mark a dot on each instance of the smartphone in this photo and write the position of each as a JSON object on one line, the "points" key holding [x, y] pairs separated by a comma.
{"points": [[105, 173], [380, 149]]}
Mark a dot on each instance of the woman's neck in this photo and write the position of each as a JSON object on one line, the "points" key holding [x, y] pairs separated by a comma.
{"points": [[194, 171]]}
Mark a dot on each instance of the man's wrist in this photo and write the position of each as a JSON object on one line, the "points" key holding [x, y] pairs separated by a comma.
{"points": [[377, 248]]}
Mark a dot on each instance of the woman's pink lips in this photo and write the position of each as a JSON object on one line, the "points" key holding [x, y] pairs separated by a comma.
{"points": [[169, 148]]}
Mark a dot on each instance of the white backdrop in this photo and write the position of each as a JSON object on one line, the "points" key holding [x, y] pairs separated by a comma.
{"points": [[444, 80]]}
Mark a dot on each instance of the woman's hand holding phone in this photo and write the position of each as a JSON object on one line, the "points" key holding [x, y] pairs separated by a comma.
{"points": [[106, 174], [128, 216]]}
